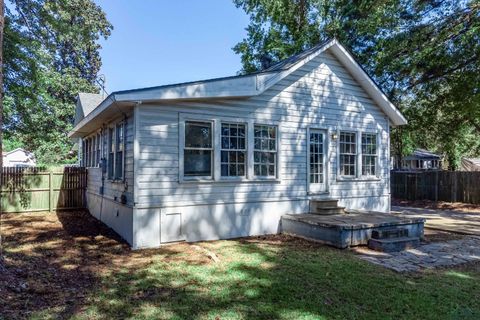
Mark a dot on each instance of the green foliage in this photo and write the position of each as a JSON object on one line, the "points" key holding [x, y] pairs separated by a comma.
{"points": [[10, 144], [424, 54], [51, 54]]}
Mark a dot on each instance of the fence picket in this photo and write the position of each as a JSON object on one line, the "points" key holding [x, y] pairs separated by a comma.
{"points": [[38, 189], [450, 186]]}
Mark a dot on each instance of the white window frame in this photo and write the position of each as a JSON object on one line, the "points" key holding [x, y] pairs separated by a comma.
{"points": [[216, 136], [99, 148], [326, 159], [245, 150], [111, 136], [277, 156], [347, 177], [359, 156], [122, 125], [110, 146], [183, 118], [376, 155]]}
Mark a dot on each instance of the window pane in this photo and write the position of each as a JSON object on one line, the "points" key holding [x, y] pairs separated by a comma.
{"points": [[348, 151], [233, 149], [198, 134], [197, 162], [369, 154], [119, 137], [265, 145], [316, 157], [119, 165]]}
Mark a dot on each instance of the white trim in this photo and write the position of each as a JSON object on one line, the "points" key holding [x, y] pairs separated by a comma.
{"points": [[136, 154], [220, 148], [182, 118], [277, 150], [343, 177], [326, 159], [377, 155]]}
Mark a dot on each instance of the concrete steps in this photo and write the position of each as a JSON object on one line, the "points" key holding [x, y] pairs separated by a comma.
{"points": [[392, 240], [325, 207], [393, 244]]}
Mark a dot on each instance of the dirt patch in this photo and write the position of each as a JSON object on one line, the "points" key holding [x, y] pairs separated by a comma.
{"points": [[54, 260], [441, 205]]}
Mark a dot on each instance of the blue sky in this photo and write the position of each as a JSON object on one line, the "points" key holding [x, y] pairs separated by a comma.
{"points": [[160, 42]]}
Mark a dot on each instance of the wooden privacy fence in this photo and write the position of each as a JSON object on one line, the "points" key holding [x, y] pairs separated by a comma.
{"points": [[38, 189], [451, 186]]}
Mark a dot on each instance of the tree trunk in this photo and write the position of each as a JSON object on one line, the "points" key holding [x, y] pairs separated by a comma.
{"points": [[2, 23]]}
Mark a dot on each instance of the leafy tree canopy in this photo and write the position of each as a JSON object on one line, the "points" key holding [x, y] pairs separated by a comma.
{"points": [[51, 53], [423, 53]]}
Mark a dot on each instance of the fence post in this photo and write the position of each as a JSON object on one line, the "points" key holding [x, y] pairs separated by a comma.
{"points": [[50, 193]]}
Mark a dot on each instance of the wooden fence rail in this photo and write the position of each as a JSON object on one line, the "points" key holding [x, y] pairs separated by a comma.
{"points": [[38, 189], [450, 186]]}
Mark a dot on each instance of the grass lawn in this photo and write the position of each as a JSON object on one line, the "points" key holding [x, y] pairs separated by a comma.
{"points": [[66, 265]]}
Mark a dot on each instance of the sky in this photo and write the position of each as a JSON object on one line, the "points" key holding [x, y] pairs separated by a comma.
{"points": [[157, 42]]}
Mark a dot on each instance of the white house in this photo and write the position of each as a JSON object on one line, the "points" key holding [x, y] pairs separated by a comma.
{"points": [[227, 157], [19, 158]]}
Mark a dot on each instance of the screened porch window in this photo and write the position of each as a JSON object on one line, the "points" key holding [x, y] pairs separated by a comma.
{"points": [[99, 150], [265, 151], [111, 152], [369, 154], [348, 154], [234, 150], [198, 150], [119, 145]]}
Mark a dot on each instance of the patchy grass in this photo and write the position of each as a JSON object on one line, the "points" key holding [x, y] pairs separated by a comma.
{"points": [[67, 265]]}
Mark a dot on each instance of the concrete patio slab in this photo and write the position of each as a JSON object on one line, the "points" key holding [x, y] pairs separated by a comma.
{"points": [[446, 220]]}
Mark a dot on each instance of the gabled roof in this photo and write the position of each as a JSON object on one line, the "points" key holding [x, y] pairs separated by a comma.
{"points": [[423, 154], [243, 86], [28, 153], [86, 102]]}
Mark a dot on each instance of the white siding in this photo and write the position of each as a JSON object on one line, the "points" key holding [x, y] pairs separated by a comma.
{"points": [[107, 207], [321, 94]]}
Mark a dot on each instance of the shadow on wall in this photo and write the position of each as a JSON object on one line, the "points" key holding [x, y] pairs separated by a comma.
{"points": [[326, 98]]}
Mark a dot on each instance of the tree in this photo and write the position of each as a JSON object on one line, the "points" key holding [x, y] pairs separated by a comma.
{"points": [[424, 55], [51, 54], [2, 23]]}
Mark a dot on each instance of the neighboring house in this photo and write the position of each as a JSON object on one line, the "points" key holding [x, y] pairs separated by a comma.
{"points": [[420, 159], [227, 157], [19, 158], [470, 164]]}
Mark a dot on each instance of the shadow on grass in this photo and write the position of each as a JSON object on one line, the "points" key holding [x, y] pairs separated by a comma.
{"points": [[70, 265]]}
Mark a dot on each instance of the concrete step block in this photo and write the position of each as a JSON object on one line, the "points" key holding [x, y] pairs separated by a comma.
{"points": [[319, 203], [390, 233], [329, 211], [393, 244]]}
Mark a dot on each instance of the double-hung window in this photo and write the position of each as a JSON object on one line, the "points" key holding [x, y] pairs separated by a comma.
{"points": [[265, 150], [369, 154], [94, 151], [111, 152], [348, 154], [234, 150], [99, 150], [119, 145], [198, 150]]}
